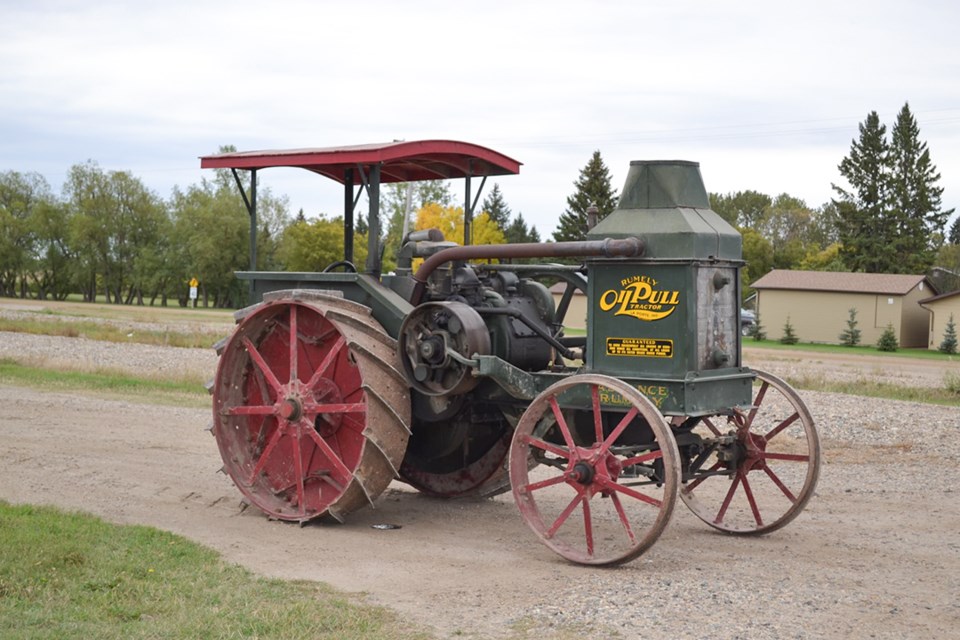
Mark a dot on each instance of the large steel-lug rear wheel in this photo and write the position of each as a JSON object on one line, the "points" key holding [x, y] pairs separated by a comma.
{"points": [[760, 466], [601, 495], [311, 413]]}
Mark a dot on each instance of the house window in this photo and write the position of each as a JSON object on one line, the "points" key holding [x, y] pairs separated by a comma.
{"points": [[889, 300]]}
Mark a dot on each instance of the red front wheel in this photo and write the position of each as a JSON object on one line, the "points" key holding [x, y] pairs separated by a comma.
{"points": [[607, 480], [758, 467]]}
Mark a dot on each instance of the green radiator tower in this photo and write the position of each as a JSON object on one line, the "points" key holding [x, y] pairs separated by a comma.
{"points": [[669, 322]]}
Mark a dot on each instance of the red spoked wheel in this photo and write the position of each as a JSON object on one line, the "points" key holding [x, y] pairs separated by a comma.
{"points": [[758, 468], [608, 476], [311, 414]]}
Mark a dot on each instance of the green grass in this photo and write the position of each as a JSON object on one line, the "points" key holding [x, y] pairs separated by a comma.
{"points": [[947, 395], [68, 575], [870, 350], [189, 393]]}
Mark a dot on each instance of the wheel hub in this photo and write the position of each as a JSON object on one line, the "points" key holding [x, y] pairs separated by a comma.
{"points": [[291, 408], [582, 473]]}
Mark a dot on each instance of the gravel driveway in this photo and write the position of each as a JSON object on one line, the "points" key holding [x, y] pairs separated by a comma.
{"points": [[875, 554]]}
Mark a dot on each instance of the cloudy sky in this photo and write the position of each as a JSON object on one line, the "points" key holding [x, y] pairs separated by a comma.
{"points": [[765, 95]]}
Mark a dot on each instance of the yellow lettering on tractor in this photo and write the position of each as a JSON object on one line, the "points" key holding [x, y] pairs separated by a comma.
{"points": [[639, 299]]}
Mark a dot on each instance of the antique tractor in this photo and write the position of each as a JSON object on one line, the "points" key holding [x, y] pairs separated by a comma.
{"points": [[459, 377]]}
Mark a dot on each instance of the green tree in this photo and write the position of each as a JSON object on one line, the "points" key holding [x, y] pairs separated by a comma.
{"points": [[314, 245], [865, 229], [745, 209], [787, 224], [850, 336], [210, 241], [758, 254], [593, 186], [888, 340], [496, 207], [823, 260], [954, 236], [113, 217], [21, 198], [917, 204], [518, 231], [789, 336], [949, 344], [54, 257]]}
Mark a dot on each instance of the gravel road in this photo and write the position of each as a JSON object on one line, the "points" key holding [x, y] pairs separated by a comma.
{"points": [[875, 554]]}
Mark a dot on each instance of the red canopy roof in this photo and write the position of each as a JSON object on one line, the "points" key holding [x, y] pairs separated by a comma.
{"points": [[399, 161]]}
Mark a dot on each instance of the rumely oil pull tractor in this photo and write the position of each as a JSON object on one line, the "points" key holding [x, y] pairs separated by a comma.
{"points": [[459, 377]]}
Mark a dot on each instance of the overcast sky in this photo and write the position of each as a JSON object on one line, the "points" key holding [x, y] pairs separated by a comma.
{"points": [[765, 95]]}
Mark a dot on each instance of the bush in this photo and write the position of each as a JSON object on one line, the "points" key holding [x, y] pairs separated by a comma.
{"points": [[888, 340], [756, 331], [949, 344], [789, 337], [850, 337]]}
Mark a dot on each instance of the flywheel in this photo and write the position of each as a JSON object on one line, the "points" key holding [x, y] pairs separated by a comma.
{"points": [[310, 411]]}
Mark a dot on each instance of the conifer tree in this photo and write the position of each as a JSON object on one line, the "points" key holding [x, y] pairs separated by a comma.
{"points": [[864, 225], [496, 207], [949, 344], [888, 340], [850, 336], [916, 196], [593, 187], [518, 231], [789, 336]]}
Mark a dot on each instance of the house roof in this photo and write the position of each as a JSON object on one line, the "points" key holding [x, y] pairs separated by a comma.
{"points": [[942, 296], [841, 282]]}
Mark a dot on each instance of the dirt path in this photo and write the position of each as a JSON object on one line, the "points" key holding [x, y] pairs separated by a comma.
{"points": [[876, 553]]}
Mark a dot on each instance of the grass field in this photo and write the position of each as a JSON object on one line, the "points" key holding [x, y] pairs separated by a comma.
{"points": [[68, 575]]}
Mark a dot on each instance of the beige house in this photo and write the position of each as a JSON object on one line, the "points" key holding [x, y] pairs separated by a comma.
{"points": [[576, 317], [941, 308], [818, 305]]}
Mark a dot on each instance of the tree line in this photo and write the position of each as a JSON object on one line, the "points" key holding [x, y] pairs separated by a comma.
{"points": [[887, 218], [108, 236]]}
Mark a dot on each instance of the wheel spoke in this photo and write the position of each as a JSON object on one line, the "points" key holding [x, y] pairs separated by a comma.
{"points": [[792, 457], [298, 467], [294, 344], [727, 499], [652, 455], [752, 501], [563, 516], [623, 517], [597, 416], [587, 524], [340, 407], [618, 430], [610, 484], [328, 360], [757, 402], [777, 481], [329, 452], [546, 446], [542, 484], [262, 460], [262, 365], [780, 427], [562, 424], [252, 410]]}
